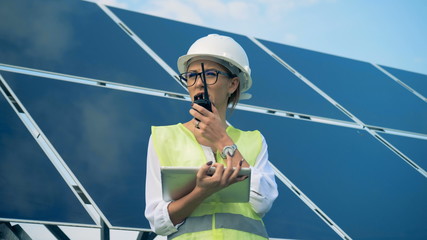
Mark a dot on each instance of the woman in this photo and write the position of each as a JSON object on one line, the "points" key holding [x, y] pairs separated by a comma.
{"points": [[206, 140]]}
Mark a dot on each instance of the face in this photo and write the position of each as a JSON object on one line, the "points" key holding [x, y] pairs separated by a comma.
{"points": [[218, 92]]}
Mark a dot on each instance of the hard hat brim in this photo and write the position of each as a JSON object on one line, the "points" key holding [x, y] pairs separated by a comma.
{"points": [[245, 78]]}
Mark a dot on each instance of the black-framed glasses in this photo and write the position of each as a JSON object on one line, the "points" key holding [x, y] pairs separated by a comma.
{"points": [[190, 78]]}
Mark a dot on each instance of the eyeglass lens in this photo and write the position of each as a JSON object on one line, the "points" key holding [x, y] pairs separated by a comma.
{"points": [[191, 77]]}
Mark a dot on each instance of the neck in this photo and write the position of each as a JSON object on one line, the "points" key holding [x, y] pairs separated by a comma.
{"points": [[222, 110]]}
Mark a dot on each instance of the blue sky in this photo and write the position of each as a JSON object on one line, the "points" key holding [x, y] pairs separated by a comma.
{"points": [[386, 32]]}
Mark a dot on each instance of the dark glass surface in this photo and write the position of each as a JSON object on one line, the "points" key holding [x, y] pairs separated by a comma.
{"points": [[364, 187], [291, 218], [77, 38], [358, 182], [416, 81], [102, 135], [30, 186], [414, 148], [273, 85], [362, 89]]}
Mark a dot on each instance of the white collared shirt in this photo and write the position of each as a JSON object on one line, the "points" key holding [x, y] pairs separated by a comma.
{"points": [[262, 195]]}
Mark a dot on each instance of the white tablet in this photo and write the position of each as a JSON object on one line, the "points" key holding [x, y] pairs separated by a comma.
{"points": [[179, 181]]}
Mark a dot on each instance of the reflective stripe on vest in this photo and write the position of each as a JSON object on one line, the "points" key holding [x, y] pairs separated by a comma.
{"points": [[222, 220]]}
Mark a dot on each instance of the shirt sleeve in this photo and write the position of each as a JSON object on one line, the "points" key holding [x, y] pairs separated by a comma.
{"points": [[263, 183], [156, 210]]}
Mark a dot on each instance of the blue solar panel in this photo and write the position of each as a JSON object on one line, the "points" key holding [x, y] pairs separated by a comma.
{"points": [[30, 187], [416, 81], [414, 148], [366, 92], [77, 38], [290, 218], [102, 137], [101, 133], [110, 162], [357, 181], [273, 87]]}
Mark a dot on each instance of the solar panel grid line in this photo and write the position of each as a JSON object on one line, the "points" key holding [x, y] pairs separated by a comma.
{"points": [[68, 224], [130, 229], [400, 82], [91, 81], [38, 136], [309, 203], [339, 106], [306, 81], [397, 152], [245, 107], [163, 93], [179, 96], [48, 74], [47, 149], [397, 132], [403, 133], [400, 154], [18, 110], [56, 159], [141, 43], [299, 116]]}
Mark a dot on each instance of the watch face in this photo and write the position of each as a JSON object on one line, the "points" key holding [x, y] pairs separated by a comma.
{"points": [[229, 150]]}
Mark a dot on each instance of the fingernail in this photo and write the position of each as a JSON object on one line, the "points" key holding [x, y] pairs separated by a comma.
{"points": [[241, 162], [209, 163]]}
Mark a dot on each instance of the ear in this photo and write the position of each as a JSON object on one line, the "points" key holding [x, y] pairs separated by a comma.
{"points": [[234, 83]]}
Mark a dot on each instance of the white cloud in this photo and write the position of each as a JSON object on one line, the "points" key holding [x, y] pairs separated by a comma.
{"points": [[290, 38], [173, 9], [267, 19], [243, 11]]}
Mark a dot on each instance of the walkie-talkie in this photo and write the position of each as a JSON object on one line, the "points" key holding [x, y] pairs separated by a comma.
{"points": [[203, 100]]}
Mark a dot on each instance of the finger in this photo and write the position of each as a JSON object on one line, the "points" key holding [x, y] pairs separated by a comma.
{"points": [[204, 169], [219, 170], [197, 114], [236, 172], [201, 109], [241, 178], [229, 170]]}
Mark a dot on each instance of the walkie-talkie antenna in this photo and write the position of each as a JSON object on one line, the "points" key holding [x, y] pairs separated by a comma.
{"points": [[203, 99], [206, 94]]}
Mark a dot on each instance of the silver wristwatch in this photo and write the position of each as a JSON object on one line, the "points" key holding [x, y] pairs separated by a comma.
{"points": [[228, 150]]}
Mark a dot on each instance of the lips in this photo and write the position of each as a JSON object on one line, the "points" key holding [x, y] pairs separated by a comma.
{"points": [[199, 96]]}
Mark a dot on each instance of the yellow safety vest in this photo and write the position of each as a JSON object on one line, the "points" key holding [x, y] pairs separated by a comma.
{"points": [[175, 145]]}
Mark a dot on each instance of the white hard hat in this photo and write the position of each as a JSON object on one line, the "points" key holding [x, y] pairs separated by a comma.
{"points": [[223, 48]]}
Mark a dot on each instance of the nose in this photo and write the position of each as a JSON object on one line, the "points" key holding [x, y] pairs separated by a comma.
{"points": [[199, 80]]}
